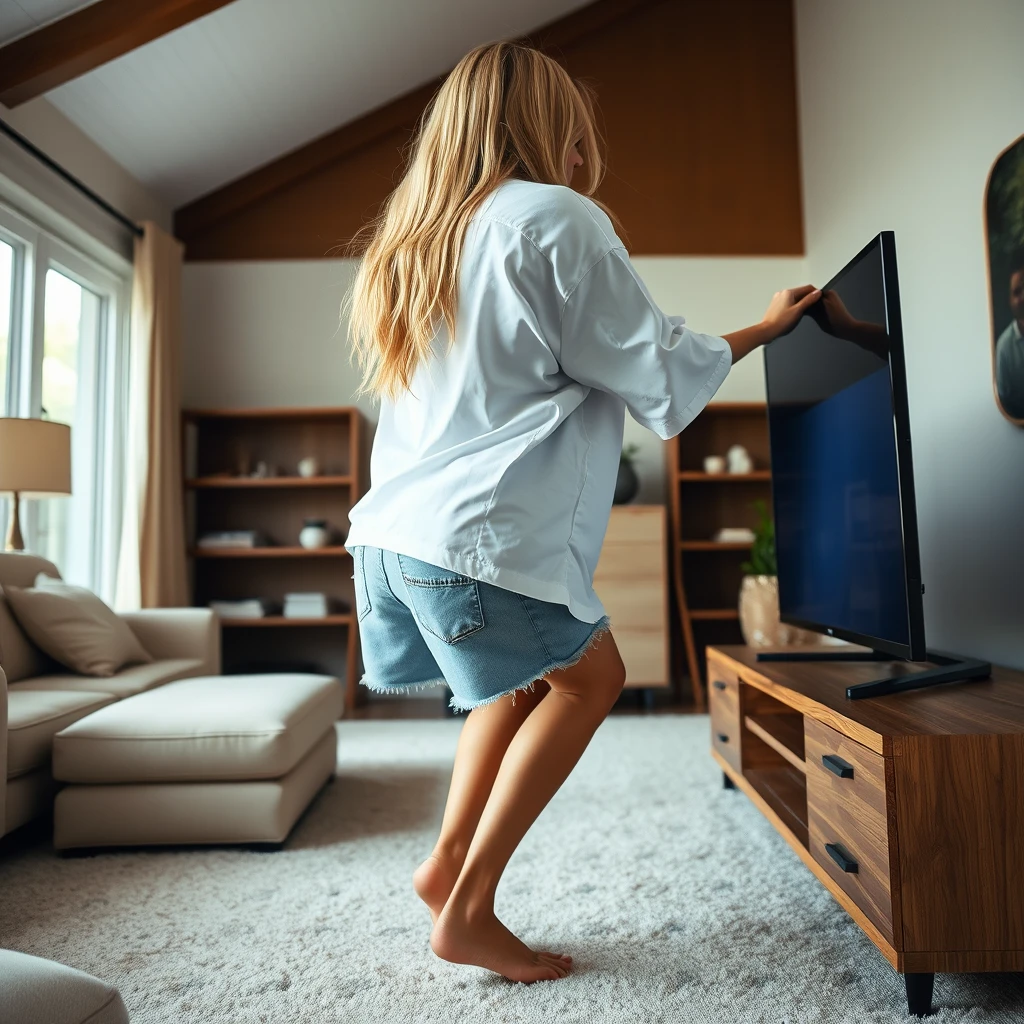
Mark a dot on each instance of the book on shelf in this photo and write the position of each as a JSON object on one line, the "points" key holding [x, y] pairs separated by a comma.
{"points": [[247, 608], [232, 539], [311, 605], [734, 535]]}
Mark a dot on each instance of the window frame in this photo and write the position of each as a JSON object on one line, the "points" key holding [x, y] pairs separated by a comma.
{"points": [[38, 249]]}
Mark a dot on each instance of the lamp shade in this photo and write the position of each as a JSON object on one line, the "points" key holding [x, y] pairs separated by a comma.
{"points": [[35, 457]]}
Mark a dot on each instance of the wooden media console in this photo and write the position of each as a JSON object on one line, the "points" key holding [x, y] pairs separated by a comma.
{"points": [[907, 808]]}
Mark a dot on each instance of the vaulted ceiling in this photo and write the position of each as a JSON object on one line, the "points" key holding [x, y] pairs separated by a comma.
{"points": [[212, 100]]}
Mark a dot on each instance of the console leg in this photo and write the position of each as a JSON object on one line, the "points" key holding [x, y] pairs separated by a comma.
{"points": [[727, 783], [919, 993]]}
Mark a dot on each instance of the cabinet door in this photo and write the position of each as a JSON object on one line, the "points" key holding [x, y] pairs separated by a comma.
{"points": [[631, 579]]}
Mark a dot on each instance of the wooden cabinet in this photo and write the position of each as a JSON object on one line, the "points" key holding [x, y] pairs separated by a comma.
{"points": [[906, 807], [631, 579]]}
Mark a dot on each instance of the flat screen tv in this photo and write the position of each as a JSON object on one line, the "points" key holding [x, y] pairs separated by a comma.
{"points": [[842, 474]]}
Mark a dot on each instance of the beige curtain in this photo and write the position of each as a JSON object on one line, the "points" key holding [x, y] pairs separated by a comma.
{"points": [[151, 566]]}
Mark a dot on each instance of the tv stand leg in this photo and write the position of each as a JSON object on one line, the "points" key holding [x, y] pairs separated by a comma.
{"points": [[727, 783], [919, 993]]}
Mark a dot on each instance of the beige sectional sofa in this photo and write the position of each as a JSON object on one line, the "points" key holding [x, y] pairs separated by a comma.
{"points": [[39, 697]]}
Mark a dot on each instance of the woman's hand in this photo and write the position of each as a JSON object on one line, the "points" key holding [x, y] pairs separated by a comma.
{"points": [[783, 312], [787, 307]]}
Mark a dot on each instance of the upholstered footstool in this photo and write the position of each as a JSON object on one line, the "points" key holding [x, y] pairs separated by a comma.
{"points": [[38, 991], [208, 760]]}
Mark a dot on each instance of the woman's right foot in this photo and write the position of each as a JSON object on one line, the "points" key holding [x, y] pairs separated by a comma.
{"points": [[483, 941]]}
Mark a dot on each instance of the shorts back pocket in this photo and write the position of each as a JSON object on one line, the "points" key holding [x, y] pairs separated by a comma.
{"points": [[446, 603]]}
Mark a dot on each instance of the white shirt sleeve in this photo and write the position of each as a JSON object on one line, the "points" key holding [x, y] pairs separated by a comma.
{"points": [[615, 338]]}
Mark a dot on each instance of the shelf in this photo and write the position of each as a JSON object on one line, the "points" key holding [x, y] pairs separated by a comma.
{"points": [[300, 412], [202, 482], [709, 614], [784, 733], [269, 552], [784, 789], [279, 620], [698, 476], [716, 545]]}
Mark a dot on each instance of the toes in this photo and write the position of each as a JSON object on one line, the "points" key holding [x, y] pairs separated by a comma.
{"points": [[555, 963]]}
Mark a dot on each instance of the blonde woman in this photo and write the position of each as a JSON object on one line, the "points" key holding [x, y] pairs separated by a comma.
{"points": [[498, 318]]}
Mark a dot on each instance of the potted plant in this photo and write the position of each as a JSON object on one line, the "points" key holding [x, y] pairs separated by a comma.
{"points": [[759, 591], [627, 483]]}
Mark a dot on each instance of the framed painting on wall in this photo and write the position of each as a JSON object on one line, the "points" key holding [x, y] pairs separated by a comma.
{"points": [[1004, 224]]}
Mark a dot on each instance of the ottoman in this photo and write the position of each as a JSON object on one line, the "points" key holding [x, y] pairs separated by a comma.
{"points": [[207, 760], [38, 991]]}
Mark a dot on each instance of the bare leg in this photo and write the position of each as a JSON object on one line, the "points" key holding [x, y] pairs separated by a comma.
{"points": [[538, 760], [485, 736]]}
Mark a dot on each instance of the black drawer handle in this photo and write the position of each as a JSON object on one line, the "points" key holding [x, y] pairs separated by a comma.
{"points": [[718, 684], [837, 766], [841, 857], [722, 738]]}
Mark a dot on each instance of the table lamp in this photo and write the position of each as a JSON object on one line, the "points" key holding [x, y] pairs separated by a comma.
{"points": [[35, 462]]}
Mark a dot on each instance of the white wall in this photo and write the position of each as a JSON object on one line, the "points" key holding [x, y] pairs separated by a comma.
{"points": [[266, 333], [904, 106], [46, 127]]}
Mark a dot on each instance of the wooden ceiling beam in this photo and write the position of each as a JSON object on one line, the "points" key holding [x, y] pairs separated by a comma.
{"points": [[401, 113], [87, 38]]}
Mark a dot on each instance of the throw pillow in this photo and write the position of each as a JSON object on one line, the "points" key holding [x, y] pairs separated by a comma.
{"points": [[75, 627]]}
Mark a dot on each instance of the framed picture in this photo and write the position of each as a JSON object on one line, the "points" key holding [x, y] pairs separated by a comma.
{"points": [[1004, 224]]}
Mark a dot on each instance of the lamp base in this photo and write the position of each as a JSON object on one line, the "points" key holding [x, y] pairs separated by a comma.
{"points": [[15, 542]]}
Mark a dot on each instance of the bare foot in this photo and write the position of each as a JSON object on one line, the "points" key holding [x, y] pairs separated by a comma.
{"points": [[484, 941], [433, 881]]}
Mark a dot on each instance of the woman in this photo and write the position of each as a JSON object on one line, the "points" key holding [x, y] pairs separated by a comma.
{"points": [[497, 316]]}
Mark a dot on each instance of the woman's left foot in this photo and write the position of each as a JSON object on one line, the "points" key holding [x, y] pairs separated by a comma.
{"points": [[433, 881]]}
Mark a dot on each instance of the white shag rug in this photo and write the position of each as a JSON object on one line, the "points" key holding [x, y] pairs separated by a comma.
{"points": [[676, 899]]}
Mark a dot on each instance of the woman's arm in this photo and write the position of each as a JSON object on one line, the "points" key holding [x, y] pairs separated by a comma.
{"points": [[782, 314]]}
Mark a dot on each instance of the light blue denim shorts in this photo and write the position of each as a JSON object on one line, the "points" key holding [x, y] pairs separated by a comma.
{"points": [[421, 625]]}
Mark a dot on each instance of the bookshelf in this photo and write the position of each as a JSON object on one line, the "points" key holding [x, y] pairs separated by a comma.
{"points": [[706, 572], [217, 445]]}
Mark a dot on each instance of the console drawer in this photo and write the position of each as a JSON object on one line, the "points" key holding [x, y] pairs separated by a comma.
{"points": [[847, 818], [724, 705]]}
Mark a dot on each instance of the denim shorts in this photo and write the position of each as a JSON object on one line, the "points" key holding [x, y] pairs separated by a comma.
{"points": [[421, 625]]}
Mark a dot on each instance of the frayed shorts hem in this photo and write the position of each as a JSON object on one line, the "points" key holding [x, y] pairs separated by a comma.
{"points": [[602, 626], [402, 687]]}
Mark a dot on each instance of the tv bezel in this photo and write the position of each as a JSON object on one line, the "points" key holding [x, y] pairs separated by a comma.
{"points": [[915, 649]]}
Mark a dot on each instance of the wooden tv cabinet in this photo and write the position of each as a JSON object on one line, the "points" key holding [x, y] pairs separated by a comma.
{"points": [[908, 808]]}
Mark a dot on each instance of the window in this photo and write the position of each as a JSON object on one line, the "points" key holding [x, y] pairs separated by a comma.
{"points": [[63, 357]]}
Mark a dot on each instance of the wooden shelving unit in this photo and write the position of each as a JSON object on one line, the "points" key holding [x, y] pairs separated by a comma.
{"points": [[706, 572], [216, 445]]}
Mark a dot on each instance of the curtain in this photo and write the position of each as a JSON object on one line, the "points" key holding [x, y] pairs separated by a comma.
{"points": [[151, 569]]}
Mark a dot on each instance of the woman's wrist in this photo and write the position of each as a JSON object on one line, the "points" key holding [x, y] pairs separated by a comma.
{"points": [[745, 341]]}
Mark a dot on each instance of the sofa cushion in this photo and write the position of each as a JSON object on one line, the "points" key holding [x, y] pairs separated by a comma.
{"points": [[34, 716], [19, 657], [38, 991], [206, 729], [73, 625], [129, 681]]}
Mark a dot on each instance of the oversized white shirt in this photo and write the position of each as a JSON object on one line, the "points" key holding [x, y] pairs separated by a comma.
{"points": [[500, 462]]}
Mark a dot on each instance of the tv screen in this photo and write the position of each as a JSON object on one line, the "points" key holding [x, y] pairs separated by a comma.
{"points": [[842, 479]]}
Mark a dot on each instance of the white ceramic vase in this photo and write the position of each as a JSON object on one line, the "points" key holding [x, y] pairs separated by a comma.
{"points": [[315, 534]]}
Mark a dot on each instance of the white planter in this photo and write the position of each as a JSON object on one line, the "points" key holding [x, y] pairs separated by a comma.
{"points": [[314, 536]]}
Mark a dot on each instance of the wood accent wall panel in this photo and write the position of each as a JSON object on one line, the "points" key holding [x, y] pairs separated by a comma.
{"points": [[698, 103]]}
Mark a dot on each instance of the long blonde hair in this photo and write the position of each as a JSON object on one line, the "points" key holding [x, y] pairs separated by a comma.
{"points": [[505, 111]]}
